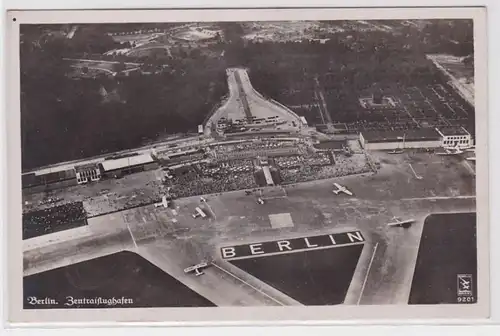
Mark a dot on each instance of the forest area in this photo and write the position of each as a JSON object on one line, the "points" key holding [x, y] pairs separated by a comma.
{"points": [[66, 119]]}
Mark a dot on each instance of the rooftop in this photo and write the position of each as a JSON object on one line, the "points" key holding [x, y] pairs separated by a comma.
{"points": [[332, 144], [86, 166], [131, 161], [409, 135], [453, 131]]}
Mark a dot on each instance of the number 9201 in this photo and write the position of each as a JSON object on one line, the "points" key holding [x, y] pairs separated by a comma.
{"points": [[466, 299]]}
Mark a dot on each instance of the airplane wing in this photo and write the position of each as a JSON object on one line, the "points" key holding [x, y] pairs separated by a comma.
{"points": [[195, 267], [337, 185], [348, 192]]}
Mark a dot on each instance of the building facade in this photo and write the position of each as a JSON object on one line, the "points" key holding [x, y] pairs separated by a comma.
{"points": [[50, 179], [400, 139], [455, 136], [127, 165], [87, 173]]}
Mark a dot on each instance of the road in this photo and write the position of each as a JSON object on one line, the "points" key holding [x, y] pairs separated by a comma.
{"points": [[244, 101]]}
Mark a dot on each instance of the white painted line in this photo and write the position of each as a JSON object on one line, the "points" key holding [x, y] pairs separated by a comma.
{"points": [[418, 177], [438, 198], [132, 236], [246, 283], [367, 273]]}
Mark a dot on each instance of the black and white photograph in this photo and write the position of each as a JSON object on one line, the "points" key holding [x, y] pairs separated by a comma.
{"points": [[238, 163]]}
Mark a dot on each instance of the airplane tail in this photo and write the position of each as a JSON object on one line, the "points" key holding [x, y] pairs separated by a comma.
{"points": [[336, 192]]}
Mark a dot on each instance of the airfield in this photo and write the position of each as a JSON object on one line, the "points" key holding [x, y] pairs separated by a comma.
{"points": [[250, 194], [412, 185]]}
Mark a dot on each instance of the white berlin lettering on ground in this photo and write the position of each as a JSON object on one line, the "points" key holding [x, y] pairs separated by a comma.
{"points": [[309, 244], [228, 252], [355, 236], [284, 245], [256, 249]]}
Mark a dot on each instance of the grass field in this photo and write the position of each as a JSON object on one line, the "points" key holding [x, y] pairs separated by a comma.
{"points": [[319, 277], [447, 250], [123, 274]]}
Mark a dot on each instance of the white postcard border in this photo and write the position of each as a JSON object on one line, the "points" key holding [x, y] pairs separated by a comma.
{"points": [[220, 315]]}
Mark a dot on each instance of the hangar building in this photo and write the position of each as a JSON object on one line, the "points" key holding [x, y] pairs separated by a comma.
{"points": [[48, 179], [453, 136], [387, 140], [127, 165]]}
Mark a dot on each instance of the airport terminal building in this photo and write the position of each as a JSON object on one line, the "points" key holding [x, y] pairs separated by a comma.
{"points": [[453, 136], [127, 165], [399, 139]]}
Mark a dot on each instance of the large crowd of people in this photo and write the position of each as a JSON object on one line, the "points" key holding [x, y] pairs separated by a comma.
{"points": [[49, 220], [209, 180], [257, 148], [228, 167], [320, 159], [293, 161], [343, 166]]}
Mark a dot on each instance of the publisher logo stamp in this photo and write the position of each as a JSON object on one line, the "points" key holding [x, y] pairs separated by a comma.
{"points": [[464, 285]]}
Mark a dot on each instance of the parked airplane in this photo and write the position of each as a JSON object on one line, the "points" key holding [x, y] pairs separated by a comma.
{"points": [[341, 189], [196, 268], [164, 202], [452, 151], [202, 199], [199, 213], [260, 201], [398, 222]]}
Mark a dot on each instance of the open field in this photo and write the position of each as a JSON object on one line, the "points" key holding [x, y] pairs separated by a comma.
{"points": [[121, 275], [318, 277]]}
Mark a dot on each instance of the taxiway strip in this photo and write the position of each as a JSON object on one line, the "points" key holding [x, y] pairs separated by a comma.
{"points": [[368, 272], [246, 283]]}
